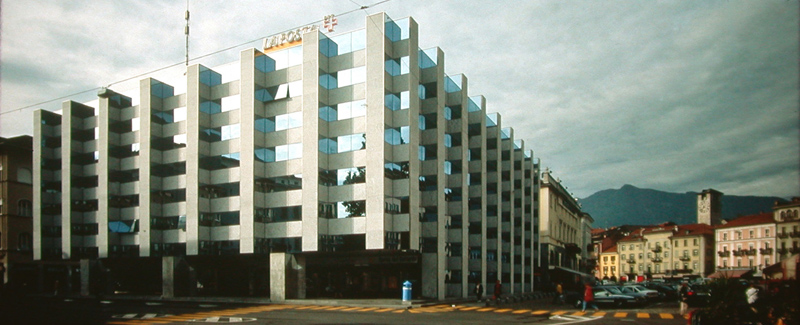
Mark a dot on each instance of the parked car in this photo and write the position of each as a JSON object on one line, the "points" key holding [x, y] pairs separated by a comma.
{"points": [[698, 296], [637, 290], [610, 296], [670, 293]]}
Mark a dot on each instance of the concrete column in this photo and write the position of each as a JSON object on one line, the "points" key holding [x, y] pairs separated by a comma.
{"points": [[375, 61], [86, 270], [168, 264], [247, 151], [311, 155], [287, 277]]}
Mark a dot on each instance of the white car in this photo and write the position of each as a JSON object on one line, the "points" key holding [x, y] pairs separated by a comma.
{"points": [[637, 290]]}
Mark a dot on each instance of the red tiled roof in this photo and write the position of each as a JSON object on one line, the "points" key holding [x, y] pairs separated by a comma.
{"points": [[753, 219], [694, 230]]}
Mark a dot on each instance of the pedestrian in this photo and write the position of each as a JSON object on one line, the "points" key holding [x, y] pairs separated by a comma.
{"points": [[684, 298], [498, 290], [752, 296], [559, 298], [479, 291], [588, 298]]}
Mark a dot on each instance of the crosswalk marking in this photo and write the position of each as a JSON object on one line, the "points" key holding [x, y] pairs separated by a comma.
{"points": [[540, 312], [599, 313], [384, 310], [642, 315], [486, 309], [557, 313], [620, 315], [579, 313], [666, 316], [521, 311], [503, 310]]}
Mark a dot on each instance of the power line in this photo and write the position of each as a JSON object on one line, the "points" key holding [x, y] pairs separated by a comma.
{"points": [[364, 7]]}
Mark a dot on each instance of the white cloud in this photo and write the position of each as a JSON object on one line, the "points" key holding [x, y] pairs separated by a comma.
{"points": [[676, 96]]}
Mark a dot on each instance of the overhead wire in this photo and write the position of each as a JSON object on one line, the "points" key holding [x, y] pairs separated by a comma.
{"points": [[361, 7]]}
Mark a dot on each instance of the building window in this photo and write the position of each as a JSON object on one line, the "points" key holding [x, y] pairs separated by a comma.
{"points": [[751, 233], [24, 208], [694, 241], [695, 252], [725, 236], [766, 232], [24, 241], [24, 176]]}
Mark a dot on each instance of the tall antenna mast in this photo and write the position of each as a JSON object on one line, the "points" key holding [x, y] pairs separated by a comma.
{"points": [[186, 31]]}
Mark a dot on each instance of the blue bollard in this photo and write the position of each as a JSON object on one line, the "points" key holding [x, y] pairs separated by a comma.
{"points": [[406, 291]]}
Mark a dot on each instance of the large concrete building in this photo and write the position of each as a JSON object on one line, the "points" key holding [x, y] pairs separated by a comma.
{"points": [[346, 163]]}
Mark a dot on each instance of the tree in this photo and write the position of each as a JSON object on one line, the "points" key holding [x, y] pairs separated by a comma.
{"points": [[356, 208]]}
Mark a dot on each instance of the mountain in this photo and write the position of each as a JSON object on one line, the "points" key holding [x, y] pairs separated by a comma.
{"points": [[638, 206]]}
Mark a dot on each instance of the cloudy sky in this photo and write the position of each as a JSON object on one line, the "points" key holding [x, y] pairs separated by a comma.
{"points": [[671, 95]]}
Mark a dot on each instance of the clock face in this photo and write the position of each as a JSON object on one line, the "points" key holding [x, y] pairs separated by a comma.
{"points": [[705, 205]]}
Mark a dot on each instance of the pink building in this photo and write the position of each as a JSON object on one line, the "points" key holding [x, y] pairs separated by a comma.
{"points": [[746, 243]]}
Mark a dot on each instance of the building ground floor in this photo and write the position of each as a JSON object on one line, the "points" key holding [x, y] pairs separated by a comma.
{"points": [[277, 276]]}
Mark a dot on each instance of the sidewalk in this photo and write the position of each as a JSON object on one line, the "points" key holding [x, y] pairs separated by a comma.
{"points": [[535, 298]]}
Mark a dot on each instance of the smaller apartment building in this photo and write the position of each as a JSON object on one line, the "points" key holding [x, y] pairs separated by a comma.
{"points": [[746, 242], [667, 251], [787, 218]]}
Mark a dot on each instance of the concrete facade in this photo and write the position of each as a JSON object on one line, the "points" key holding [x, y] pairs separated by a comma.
{"points": [[565, 231], [309, 151]]}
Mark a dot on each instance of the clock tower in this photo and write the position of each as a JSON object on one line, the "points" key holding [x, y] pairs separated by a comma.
{"points": [[709, 207]]}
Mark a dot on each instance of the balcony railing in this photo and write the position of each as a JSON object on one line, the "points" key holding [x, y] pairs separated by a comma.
{"points": [[631, 261], [794, 234], [657, 249], [794, 250], [765, 251], [656, 260], [782, 251], [684, 258], [725, 253], [783, 234], [750, 252], [738, 252]]}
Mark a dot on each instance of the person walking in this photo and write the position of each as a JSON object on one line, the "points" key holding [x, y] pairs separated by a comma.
{"points": [[479, 291], [588, 298], [559, 298], [684, 298], [498, 290]]}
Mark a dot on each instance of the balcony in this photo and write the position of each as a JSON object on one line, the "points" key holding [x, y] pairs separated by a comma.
{"points": [[684, 258], [682, 271], [631, 261], [783, 234], [783, 251], [794, 234], [724, 253], [750, 252], [794, 250], [656, 260], [738, 252], [657, 249], [765, 251]]}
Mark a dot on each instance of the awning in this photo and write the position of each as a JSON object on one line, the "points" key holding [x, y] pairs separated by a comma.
{"points": [[558, 268], [730, 274]]}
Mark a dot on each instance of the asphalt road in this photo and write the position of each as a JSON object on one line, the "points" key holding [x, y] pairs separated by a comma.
{"points": [[94, 311]]}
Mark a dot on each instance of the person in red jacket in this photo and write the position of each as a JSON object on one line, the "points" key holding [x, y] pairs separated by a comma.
{"points": [[588, 298]]}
